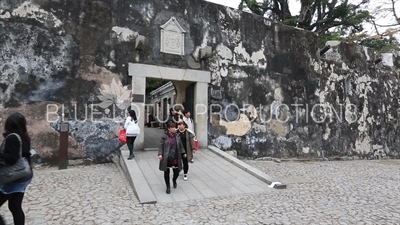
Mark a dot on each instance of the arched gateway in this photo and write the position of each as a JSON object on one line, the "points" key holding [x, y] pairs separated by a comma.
{"points": [[140, 72]]}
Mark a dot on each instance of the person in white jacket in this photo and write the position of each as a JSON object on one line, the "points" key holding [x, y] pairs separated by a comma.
{"points": [[188, 120], [132, 131]]}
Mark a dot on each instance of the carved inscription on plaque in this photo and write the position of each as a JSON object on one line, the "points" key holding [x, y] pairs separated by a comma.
{"points": [[172, 37]]}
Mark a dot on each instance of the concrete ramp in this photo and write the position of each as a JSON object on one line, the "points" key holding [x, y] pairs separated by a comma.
{"points": [[213, 174], [272, 181], [136, 179]]}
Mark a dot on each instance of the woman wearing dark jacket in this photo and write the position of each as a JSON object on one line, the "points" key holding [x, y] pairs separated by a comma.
{"points": [[14, 192], [187, 139], [170, 153]]}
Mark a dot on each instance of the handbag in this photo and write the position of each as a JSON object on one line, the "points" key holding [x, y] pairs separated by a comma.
{"points": [[196, 144], [133, 129], [10, 173], [122, 136]]}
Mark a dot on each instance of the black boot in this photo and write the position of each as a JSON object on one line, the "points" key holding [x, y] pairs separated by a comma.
{"points": [[168, 190], [131, 156], [176, 175]]}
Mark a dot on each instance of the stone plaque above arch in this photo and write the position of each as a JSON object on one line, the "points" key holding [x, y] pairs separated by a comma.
{"points": [[172, 38]]}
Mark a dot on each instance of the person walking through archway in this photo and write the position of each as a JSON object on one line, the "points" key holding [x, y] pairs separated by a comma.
{"points": [[170, 153], [187, 139]]}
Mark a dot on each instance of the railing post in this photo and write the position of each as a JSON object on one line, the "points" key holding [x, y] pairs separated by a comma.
{"points": [[63, 151]]}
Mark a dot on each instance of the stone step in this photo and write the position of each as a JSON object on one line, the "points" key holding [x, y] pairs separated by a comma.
{"points": [[136, 179]]}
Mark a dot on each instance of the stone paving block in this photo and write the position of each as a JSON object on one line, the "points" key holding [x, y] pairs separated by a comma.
{"points": [[159, 191], [178, 194], [241, 186], [208, 193], [219, 173], [202, 173], [234, 190], [153, 180], [253, 171], [206, 169], [244, 179], [197, 183], [224, 183], [216, 173], [216, 187], [190, 191], [258, 188]]}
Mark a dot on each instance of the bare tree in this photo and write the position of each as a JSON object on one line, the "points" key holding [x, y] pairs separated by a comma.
{"points": [[386, 13]]}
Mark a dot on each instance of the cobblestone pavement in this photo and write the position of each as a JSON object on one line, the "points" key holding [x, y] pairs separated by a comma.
{"points": [[351, 192]]}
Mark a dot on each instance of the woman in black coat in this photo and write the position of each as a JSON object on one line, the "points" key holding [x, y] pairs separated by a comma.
{"points": [[170, 153], [15, 135]]}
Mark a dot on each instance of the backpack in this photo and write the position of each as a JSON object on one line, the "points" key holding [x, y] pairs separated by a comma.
{"points": [[133, 129]]}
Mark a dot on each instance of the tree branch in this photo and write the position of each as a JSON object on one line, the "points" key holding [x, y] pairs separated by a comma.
{"points": [[323, 29], [376, 28], [390, 25], [394, 12]]}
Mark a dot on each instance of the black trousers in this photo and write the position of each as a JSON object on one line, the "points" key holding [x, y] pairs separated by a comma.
{"points": [[130, 141], [175, 176], [185, 163], [15, 207]]}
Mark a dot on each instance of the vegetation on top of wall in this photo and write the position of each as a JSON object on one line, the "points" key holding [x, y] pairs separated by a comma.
{"points": [[333, 20], [380, 44]]}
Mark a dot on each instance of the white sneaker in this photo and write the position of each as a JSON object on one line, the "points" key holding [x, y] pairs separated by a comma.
{"points": [[185, 177]]}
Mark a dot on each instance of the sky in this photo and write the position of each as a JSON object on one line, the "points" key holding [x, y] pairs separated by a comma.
{"points": [[384, 18], [294, 5]]}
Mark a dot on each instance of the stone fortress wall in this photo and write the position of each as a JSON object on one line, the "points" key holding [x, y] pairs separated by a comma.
{"points": [[271, 93]]}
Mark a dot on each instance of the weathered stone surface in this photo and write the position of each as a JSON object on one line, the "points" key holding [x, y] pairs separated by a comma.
{"points": [[34, 70], [98, 138], [352, 192], [259, 68], [45, 139]]}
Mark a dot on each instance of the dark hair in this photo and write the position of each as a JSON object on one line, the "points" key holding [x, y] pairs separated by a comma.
{"points": [[132, 114], [183, 122], [185, 111], [16, 123], [171, 124]]}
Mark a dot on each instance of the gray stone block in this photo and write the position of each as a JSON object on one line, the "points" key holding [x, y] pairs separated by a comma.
{"points": [[246, 167]]}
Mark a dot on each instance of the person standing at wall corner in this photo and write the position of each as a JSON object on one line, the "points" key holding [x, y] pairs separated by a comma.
{"points": [[16, 138], [187, 139], [132, 131], [170, 153]]}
